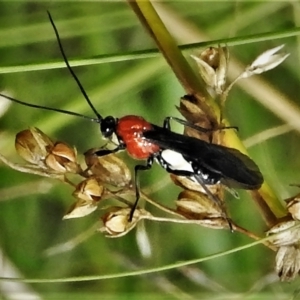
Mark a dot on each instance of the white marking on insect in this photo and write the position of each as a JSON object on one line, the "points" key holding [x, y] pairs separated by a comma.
{"points": [[175, 161]]}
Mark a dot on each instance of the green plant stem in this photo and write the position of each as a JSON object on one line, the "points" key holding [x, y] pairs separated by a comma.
{"points": [[166, 44], [143, 271], [264, 196]]}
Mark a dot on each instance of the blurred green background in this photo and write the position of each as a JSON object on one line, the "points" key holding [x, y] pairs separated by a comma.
{"points": [[31, 208]]}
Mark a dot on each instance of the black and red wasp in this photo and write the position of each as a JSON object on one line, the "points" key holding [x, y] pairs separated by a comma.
{"points": [[203, 162]]}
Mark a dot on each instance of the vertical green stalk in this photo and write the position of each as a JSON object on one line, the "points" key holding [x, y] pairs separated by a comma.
{"points": [[168, 47]]}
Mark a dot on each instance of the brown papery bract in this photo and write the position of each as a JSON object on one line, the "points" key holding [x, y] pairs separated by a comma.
{"points": [[62, 159], [108, 169], [32, 145]]}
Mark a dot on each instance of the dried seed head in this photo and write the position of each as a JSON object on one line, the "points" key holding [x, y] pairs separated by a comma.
{"points": [[88, 194], [108, 169], [287, 239], [213, 65], [32, 144], [89, 190], [198, 203], [81, 208], [191, 110], [288, 262], [62, 159], [286, 234], [268, 60], [194, 203], [293, 206], [38, 149], [197, 206], [191, 185], [116, 222], [211, 57]]}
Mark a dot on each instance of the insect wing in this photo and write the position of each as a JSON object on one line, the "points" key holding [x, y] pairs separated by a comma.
{"points": [[236, 169]]}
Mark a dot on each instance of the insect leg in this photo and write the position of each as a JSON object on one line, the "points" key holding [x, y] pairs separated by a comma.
{"points": [[193, 126], [201, 181], [215, 199], [138, 168], [103, 152]]}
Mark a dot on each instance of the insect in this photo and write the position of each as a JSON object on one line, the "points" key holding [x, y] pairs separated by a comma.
{"points": [[201, 161]]}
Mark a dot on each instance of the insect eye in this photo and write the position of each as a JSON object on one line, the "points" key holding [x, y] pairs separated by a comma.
{"points": [[108, 126]]}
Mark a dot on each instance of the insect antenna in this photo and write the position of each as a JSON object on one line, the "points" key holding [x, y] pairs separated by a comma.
{"points": [[71, 70], [66, 112], [99, 117]]}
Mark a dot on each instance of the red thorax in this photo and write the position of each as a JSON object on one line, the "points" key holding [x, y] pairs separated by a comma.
{"points": [[130, 130]]}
